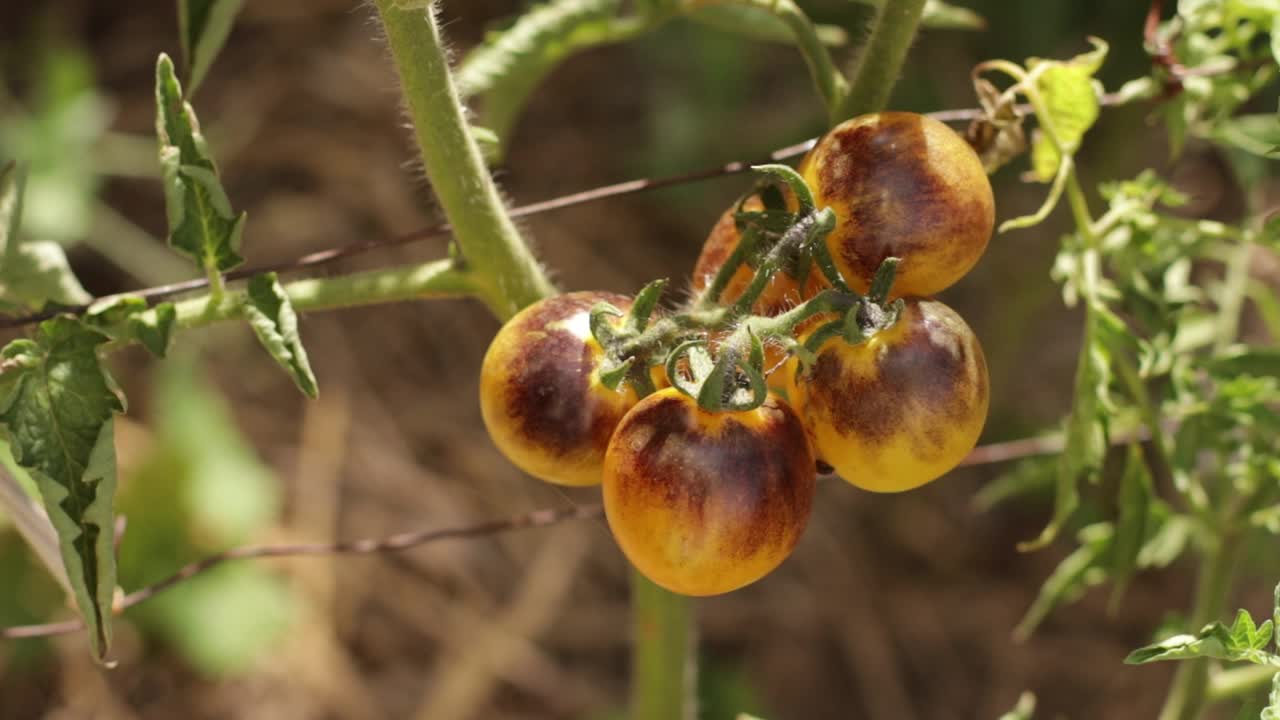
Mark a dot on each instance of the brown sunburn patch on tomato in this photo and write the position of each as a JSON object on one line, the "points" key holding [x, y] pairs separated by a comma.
{"points": [[745, 490], [548, 393], [924, 383], [898, 204]]}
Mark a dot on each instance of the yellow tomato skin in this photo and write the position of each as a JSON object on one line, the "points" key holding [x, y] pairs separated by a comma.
{"points": [[540, 392], [704, 503], [902, 408], [907, 186]]}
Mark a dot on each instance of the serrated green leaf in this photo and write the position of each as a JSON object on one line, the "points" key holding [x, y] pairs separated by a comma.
{"points": [[31, 273], [202, 224], [128, 319], [204, 26], [1243, 641], [1082, 569], [58, 416], [273, 320], [945, 16]]}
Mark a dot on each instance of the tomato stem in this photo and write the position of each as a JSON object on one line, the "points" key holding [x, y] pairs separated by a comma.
{"points": [[507, 274], [881, 59], [664, 667]]}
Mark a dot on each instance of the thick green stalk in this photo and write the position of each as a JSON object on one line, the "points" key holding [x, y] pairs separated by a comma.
{"points": [[881, 60], [507, 274], [663, 672]]}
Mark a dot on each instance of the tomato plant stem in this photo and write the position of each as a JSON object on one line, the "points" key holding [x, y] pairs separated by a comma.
{"points": [[439, 278], [1189, 692], [507, 274], [881, 59], [663, 671]]}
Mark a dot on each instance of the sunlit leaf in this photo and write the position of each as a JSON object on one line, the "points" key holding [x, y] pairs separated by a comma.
{"points": [[58, 414], [276, 325], [204, 26], [31, 273], [202, 224]]}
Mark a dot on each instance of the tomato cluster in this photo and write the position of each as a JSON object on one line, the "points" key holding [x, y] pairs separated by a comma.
{"points": [[811, 340]]}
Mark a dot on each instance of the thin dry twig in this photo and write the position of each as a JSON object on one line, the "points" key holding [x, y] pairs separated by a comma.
{"points": [[983, 455], [391, 543], [331, 255]]}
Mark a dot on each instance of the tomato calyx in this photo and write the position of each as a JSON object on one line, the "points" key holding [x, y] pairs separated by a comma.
{"points": [[616, 332]]}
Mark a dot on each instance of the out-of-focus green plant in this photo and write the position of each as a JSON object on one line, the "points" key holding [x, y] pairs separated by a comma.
{"points": [[216, 494]]}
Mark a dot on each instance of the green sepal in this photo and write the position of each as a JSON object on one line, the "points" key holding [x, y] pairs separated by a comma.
{"points": [[613, 376], [700, 365], [601, 324], [755, 353], [851, 329], [793, 179], [57, 404], [646, 300], [882, 282], [721, 391], [819, 337], [271, 316]]}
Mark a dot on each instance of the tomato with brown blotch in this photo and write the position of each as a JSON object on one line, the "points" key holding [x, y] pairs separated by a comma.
{"points": [[907, 186], [901, 408], [782, 292], [540, 392], [703, 503]]}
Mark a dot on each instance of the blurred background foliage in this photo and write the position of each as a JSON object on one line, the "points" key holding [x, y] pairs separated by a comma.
{"points": [[894, 607]]}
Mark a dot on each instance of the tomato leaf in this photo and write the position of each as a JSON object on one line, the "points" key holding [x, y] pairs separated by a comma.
{"points": [[204, 26], [58, 413], [1082, 569], [202, 224], [1242, 641], [31, 273], [272, 318], [128, 319], [1071, 103], [504, 71], [759, 23]]}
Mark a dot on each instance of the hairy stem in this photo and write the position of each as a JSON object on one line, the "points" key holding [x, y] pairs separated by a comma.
{"points": [[507, 275], [663, 672], [439, 278], [882, 58]]}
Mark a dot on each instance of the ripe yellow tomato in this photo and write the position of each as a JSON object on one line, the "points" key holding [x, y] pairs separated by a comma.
{"points": [[540, 391], [907, 186], [901, 408], [703, 503]]}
